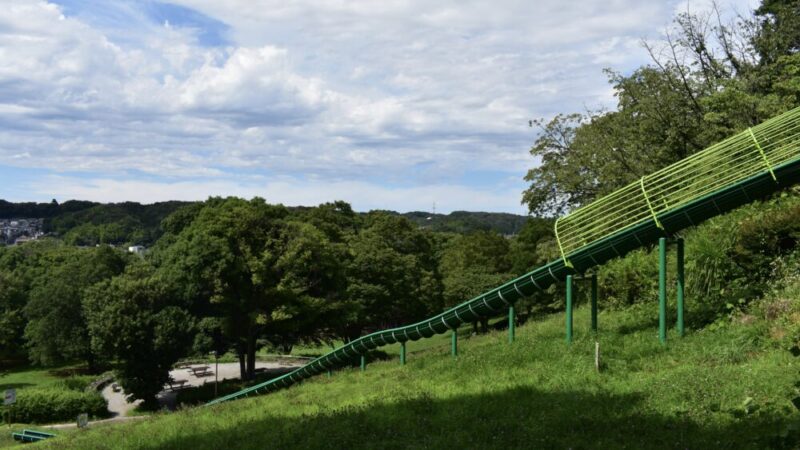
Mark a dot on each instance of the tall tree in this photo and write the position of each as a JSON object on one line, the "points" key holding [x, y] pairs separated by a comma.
{"points": [[139, 320], [223, 260], [392, 275], [472, 264], [56, 330]]}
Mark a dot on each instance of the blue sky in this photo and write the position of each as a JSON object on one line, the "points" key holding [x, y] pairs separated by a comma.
{"points": [[388, 105]]}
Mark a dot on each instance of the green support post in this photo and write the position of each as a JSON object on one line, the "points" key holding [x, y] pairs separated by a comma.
{"points": [[511, 324], [594, 303], [330, 373], [403, 353], [454, 342], [569, 309], [679, 276], [363, 363], [662, 290]]}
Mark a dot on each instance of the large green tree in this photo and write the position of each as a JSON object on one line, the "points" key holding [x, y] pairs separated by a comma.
{"points": [[139, 320], [392, 274], [472, 264], [56, 330]]}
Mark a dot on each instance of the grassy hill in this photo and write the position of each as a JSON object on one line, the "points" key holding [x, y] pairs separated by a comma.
{"points": [[726, 386]]}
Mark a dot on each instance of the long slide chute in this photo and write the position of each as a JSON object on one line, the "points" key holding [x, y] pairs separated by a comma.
{"points": [[736, 171]]}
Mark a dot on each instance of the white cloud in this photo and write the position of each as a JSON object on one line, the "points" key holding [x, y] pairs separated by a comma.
{"points": [[408, 92]]}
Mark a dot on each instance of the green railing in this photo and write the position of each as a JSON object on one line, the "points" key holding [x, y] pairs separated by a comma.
{"points": [[726, 175], [729, 162]]}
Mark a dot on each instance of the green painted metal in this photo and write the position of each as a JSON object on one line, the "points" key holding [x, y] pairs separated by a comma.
{"points": [[594, 302], [680, 285], [511, 324], [31, 436], [706, 184], [402, 353], [662, 290], [454, 343], [569, 309], [363, 363]]}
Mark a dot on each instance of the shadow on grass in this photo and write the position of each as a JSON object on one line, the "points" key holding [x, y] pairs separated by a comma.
{"points": [[517, 418], [3, 387]]}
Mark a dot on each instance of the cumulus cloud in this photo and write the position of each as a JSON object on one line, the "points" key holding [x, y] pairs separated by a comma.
{"points": [[395, 98]]}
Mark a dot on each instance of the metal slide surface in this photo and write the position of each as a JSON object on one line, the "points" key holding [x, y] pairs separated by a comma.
{"points": [[729, 174]]}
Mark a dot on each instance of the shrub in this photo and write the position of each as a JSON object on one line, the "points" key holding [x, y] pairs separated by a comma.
{"points": [[53, 403]]}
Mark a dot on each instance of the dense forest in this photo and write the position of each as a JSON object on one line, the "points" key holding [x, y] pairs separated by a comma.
{"points": [[88, 223], [234, 275]]}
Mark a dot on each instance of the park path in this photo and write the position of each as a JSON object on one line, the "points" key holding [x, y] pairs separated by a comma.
{"points": [[119, 407]]}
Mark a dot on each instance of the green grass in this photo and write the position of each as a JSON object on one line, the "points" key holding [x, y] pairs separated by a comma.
{"points": [[723, 387], [22, 377]]}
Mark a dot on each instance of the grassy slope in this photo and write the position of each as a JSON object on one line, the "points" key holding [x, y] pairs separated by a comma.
{"points": [[536, 393]]}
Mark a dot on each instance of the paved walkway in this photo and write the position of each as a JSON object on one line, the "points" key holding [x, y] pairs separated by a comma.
{"points": [[119, 407]]}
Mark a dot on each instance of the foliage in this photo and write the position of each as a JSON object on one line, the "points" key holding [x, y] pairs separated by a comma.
{"points": [[43, 398], [12, 318], [56, 330], [472, 264], [468, 222], [730, 261], [48, 405], [138, 320], [392, 275]]}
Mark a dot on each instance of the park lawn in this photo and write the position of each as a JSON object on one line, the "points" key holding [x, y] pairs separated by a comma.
{"points": [[26, 376], [722, 387]]}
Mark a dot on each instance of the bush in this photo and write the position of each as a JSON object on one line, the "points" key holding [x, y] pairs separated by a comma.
{"points": [[52, 403], [730, 261]]}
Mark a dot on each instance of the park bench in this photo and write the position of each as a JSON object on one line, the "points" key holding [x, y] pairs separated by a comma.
{"points": [[200, 371], [179, 383], [31, 436]]}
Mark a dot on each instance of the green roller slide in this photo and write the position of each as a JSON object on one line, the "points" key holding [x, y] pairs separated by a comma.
{"points": [[731, 173]]}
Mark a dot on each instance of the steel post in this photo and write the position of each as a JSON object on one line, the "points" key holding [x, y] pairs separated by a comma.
{"points": [[363, 363], [662, 290], [594, 303], [454, 342], [402, 353], [569, 309], [680, 286], [511, 324]]}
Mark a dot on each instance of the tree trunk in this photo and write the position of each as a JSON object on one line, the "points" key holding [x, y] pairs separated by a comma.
{"points": [[251, 357], [242, 368]]}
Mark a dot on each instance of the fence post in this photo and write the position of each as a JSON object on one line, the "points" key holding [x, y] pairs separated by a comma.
{"points": [[679, 276], [569, 309], [403, 353], [454, 342], [594, 302], [511, 324], [363, 363], [662, 290]]}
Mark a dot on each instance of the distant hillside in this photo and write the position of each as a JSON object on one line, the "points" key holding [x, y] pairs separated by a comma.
{"points": [[81, 222], [88, 223], [465, 221]]}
